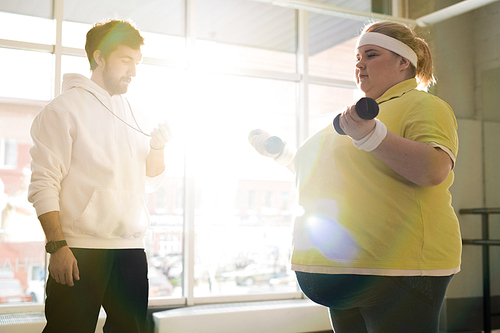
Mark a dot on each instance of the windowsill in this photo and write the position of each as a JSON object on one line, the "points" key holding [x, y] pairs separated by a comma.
{"points": [[300, 315], [20, 308], [263, 316], [34, 322]]}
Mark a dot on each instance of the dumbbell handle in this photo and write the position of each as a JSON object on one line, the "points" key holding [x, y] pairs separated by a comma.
{"points": [[366, 108], [272, 145]]}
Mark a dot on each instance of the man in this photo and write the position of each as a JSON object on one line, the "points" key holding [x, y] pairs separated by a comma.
{"points": [[91, 164]]}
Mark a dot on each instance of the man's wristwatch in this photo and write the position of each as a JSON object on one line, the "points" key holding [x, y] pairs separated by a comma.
{"points": [[52, 246]]}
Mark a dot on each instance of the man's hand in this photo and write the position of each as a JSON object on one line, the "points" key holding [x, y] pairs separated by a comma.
{"points": [[63, 266], [161, 135]]}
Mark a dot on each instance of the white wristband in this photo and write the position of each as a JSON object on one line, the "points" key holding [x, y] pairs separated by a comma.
{"points": [[373, 139], [287, 155]]}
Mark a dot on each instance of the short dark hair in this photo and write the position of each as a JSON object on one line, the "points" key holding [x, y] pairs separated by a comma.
{"points": [[107, 35]]}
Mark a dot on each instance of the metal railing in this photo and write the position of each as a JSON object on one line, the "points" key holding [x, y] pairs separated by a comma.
{"points": [[485, 242]]}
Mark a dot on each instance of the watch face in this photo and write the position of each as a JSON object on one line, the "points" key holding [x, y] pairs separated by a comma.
{"points": [[53, 246], [50, 247]]}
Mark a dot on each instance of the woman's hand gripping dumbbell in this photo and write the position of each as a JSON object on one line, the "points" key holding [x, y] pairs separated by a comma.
{"points": [[271, 146], [367, 109]]}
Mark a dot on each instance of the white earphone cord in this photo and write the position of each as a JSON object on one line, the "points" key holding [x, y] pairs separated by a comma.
{"points": [[138, 129]]}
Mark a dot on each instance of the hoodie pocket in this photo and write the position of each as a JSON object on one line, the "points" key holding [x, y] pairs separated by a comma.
{"points": [[111, 213]]}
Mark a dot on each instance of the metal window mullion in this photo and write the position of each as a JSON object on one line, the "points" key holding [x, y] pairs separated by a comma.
{"points": [[189, 179], [302, 97], [27, 46], [58, 50], [324, 81], [399, 8]]}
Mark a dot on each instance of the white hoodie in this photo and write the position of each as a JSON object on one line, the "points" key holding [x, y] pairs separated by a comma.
{"points": [[91, 167]]}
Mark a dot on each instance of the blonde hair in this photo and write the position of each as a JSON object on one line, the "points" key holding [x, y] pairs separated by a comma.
{"points": [[424, 73]]}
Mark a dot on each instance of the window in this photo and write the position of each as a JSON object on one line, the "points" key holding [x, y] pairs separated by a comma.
{"points": [[22, 253], [241, 74], [164, 32], [8, 153], [238, 253], [269, 199], [245, 34], [161, 202], [285, 201], [332, 41], [30, 78], [252, 200], [325, 102], [31, 24]]}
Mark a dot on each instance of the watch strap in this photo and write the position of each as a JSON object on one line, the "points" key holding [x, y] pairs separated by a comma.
{"points": [[53, 246]]}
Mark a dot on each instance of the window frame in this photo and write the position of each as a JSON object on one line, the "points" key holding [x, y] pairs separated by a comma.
{"points": [[302, 80]]}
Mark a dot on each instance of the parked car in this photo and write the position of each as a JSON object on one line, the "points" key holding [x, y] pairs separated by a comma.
{"points": [[159, 285], [11, 291], [254, 274], [36, 289]]}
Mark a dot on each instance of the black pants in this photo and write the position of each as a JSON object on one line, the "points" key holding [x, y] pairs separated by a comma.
{"points": [[378, 304], [115, 279]]}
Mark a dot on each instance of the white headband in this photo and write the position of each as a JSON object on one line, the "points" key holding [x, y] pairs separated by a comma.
{"points": [[389, 43]]}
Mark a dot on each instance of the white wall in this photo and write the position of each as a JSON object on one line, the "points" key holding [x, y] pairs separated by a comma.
{"points": [[467, 53]]}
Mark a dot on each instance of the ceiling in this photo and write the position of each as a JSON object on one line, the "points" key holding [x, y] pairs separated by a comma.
{"points": [[240, 22]]}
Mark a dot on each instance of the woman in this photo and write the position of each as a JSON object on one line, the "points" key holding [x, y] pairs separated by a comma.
{"points": [[378, 241]]}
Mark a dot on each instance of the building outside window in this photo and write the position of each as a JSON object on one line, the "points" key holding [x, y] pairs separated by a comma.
{"points": [[8, 153]]}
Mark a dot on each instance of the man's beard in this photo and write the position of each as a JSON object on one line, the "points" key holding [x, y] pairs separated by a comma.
{"points": [[114, 85]]}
